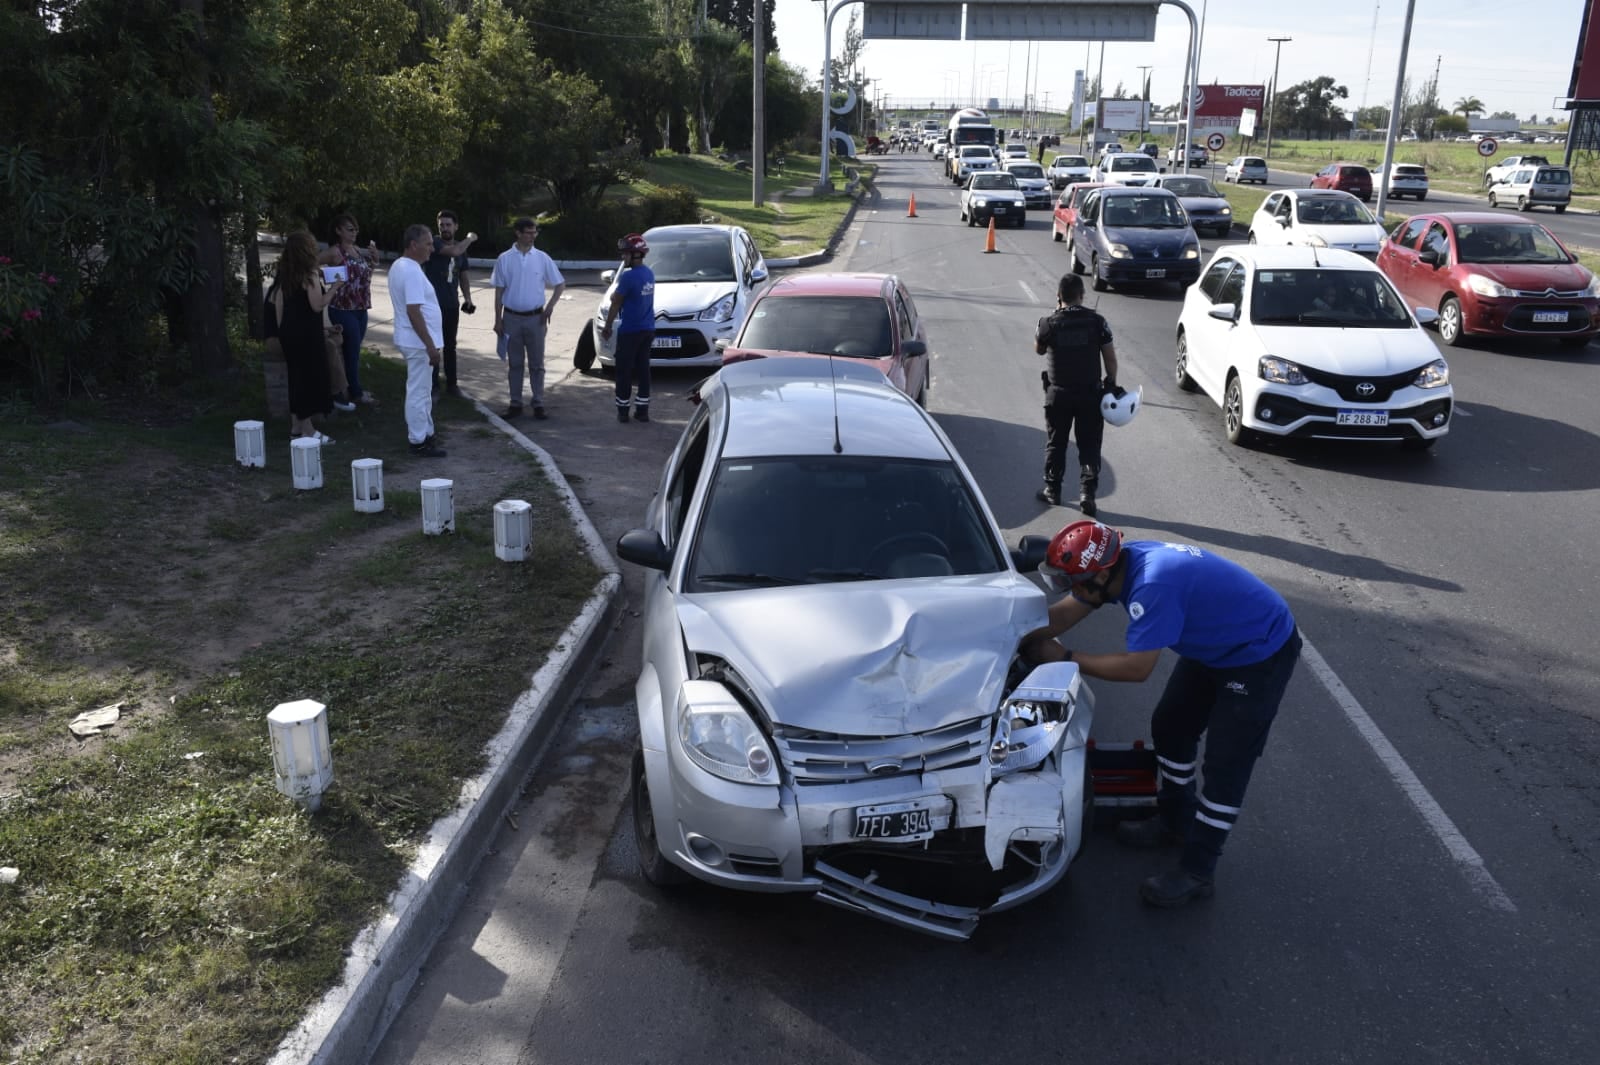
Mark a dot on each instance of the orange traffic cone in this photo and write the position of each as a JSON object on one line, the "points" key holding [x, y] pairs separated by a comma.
{"points": [[988, 245], [911, 211]]}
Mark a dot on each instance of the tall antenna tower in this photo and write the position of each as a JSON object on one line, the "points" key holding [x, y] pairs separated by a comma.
{"points": [[1372, 43]]}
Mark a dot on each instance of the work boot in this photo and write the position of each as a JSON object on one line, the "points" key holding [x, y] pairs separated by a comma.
{"points": [[641, 414], [1088, 482], [1150, 834], [1176, 887], [1086, 503], [622, 415], [1050, 493]]}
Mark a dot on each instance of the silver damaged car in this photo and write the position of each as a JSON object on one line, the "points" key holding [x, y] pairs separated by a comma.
{"points": [[830, 699]]}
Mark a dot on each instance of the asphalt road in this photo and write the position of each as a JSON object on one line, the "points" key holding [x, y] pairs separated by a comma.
{"points": [[1414, 876]]}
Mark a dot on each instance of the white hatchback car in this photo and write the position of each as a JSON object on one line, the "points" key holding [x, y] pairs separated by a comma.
{"points": [[1311, 343], [1321, 218], [1403, 179], [1246, 168], [706, 278], [829, 698]]}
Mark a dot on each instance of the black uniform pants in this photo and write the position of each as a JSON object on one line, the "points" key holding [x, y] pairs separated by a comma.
{"points": [[1234, 709], [1064, 410], [450, 315]]}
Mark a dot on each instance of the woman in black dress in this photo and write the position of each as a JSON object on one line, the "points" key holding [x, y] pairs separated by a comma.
{"points": [[298, 297]]}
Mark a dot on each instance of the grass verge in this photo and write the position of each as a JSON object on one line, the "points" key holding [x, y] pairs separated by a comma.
{"points": [[170, 906]]}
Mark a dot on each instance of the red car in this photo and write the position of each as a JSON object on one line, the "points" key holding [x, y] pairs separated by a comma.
{"points": [[1346, 177], [870, 317], [1488, 274], [1067, 204]]}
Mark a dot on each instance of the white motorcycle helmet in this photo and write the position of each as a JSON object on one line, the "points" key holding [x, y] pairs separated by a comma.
{"points": [[1121, 411]]}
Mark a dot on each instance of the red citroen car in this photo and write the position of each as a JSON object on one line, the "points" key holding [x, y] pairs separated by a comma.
{"points": [[1490, 274], [869, 317], [1067, 205], [1346, 177]]}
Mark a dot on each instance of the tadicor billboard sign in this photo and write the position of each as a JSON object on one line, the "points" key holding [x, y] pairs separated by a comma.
{"points": [[1220, 106]]}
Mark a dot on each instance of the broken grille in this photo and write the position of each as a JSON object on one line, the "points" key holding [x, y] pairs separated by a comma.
{"points": [[829, 758]]}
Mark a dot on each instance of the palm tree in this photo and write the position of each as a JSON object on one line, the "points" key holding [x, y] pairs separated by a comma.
{"points": [[1468, 106]]}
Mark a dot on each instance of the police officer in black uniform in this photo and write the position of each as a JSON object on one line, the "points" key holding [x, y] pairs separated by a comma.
{"points": [[1076, 340]]}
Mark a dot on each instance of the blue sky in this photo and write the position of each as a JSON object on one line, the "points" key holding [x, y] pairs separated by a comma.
{"points": [[1513, 57]]}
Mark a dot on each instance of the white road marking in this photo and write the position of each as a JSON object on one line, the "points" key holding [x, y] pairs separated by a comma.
{"points": [[1472, 866], [1026, 291]]}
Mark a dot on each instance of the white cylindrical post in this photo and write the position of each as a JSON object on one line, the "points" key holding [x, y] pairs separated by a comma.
{"points": [[305, 460], [513, 529], [250, 443], [438, 506], [302, 757], [366, 484]]}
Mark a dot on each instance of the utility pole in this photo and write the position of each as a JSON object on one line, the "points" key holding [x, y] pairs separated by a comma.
{"points": [[1394, 111], [1272, 106], [1144, 85], [758, 111]]}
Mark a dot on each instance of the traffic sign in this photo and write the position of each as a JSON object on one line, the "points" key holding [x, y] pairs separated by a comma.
{"points": [[1487, 147], [1216, 141]]}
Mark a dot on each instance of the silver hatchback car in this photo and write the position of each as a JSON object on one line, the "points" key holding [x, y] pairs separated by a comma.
{"points": [[830, 699]]}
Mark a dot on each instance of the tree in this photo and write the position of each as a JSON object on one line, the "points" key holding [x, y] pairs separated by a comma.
{"points": [[741, 16], [1451, 123], [1375, 117], [1467, 106], [1310, 106], [1504, 114]]}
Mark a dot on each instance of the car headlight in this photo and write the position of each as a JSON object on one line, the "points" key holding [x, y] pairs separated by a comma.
{"points": [[718, 736], [1486, 286], [722, 310], [1191, 251], [1120, 251], [980, 203], [1226, 211], [1034, 719], [1316, 241], [1434, 375], [1281, 371], [1593, 289]]}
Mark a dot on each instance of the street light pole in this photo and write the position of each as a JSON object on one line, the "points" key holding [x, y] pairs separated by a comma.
{"points": [[1144, 86], [1272, 104]]}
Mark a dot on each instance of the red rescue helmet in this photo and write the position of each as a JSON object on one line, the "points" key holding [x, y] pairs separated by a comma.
{"points": [[1078, 552], [632, 244]]}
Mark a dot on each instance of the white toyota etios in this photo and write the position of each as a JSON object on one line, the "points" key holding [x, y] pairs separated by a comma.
{"points": [[1311, 343]]}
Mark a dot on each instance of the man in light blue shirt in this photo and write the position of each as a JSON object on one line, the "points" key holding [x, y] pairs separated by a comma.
{"points": [[522, 276]]}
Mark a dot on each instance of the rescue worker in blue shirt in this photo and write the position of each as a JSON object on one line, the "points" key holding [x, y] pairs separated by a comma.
{"points": [[635, 300], [1237, 646]]}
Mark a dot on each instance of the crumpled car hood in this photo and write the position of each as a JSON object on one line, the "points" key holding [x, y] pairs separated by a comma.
{"points": [[870, 658]]}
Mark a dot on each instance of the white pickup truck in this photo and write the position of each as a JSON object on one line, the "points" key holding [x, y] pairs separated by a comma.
{"points": [[1065, 170], [1197, 155], [1510, 165]]}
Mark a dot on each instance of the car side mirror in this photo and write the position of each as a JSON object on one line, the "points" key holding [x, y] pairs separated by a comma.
{"points": [[1432, 257], [608, 276], [758, 275], [912, 348], [643, 547], [1029, 552], [1284, 222], [1225, 312], [1426, 315]]}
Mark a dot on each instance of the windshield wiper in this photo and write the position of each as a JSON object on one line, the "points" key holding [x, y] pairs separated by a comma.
{"points": [[746, 578], [845, 575], [1317, 319]]}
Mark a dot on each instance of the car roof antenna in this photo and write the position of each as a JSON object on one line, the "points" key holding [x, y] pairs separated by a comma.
{"points": [[838, 445]]}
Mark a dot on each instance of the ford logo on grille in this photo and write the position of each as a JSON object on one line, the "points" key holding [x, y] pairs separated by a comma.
{"points": [[1366, 388], [884, 767]]}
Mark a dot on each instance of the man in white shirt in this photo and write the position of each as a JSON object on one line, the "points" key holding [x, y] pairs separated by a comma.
{"points": [[418, 331], [522, 275]]}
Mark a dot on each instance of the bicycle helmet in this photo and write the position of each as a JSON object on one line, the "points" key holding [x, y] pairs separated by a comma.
{"points": [[632, 244], [1078, 552], [1121, 411]]}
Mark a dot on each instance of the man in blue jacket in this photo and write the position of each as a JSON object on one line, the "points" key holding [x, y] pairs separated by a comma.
{"points": [[1237, 646]]}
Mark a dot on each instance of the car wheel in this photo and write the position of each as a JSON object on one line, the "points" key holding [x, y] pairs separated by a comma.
{"points": [[1022, 221], [1492, 201], [1575, 342], [1450, 324], [583, 358], [1077, 266], [1561, 210], [1100, 284], [653, 865], [1055, 233], [1421, 196], [1181, 366], [1522, 203], [1252, 238], [1233, 414]]}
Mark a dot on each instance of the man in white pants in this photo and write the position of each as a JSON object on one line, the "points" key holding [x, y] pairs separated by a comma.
{"points": [[418, 331]]}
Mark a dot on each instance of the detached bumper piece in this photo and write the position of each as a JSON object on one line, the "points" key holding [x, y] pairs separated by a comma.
{"points": [[861, 895]]}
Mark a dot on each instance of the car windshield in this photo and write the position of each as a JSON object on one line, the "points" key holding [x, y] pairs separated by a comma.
{"points": [[1070, 160], [1507, 242], [1190, 186], [971, 152], [1134, 162], [1351, 299], [701, 257], [1029, 170], [993, 181], [1332, 211], [1156, 212], [813, 520], [858, 327]]}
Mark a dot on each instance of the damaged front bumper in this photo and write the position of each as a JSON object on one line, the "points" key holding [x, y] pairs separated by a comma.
{"points": [[926, 831]]}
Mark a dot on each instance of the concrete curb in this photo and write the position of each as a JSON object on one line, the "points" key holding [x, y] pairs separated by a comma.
{"points": [[350, 1021]]}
